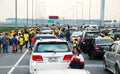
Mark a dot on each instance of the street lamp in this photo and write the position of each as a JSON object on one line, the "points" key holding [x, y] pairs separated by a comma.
{"points": [[90, 12], [32, 12], [80, 3], [16, 14], [27, 13]]}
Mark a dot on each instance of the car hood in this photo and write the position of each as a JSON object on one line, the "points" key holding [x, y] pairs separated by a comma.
{"points": [[66, 71]]}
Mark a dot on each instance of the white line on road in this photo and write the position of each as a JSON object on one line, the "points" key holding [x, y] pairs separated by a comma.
{"points": [[12, 69], [94, 65], [22, 66], [26, 66]]}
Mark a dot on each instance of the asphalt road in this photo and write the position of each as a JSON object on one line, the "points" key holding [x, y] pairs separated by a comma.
{"points": [[16, 63]]}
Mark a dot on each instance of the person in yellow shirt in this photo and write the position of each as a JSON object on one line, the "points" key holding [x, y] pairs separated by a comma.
{"points": [[26, 38], [21, 42]]}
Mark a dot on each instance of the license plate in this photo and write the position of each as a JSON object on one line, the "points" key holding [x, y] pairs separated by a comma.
{"points": [[53, 59]]}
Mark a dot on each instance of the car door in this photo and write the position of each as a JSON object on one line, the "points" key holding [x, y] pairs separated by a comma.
{"points": [[118, 54], [112, 55]]}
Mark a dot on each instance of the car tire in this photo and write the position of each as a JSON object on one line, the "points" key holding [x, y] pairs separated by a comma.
{"points": [[105, 66], [117, 70]]}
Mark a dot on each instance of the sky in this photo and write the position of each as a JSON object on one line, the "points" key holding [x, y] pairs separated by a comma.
{"points": [[62, 8]]}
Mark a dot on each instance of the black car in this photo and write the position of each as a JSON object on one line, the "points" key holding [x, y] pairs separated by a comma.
{"points": [[99, 46], [86, 39]]}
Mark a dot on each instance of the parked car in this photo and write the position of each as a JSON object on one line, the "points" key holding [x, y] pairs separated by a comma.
{"points": [[112, 58], [86, 38], [44, 28], [47, 32], [99, 46], [63, 71], [43, 36], [50, 54], [75, 35]]}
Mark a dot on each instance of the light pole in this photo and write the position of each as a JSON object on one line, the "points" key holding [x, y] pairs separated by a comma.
{"points": [[80, 3], [16, 14], [36, 11], [32, 12], [90, 12], [27, 13]]}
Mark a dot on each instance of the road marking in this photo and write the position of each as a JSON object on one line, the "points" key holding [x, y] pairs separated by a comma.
{"points": [[22, 66], [12, 69], [27, 66], [94, 65]]}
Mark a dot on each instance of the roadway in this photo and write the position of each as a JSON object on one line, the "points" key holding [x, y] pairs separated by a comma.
{"points": [[16, 63]]}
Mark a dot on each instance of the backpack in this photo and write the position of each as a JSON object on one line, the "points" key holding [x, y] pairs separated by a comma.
{"points": [[4, 40]]}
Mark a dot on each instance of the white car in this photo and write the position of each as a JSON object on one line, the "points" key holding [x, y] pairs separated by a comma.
{"points": [[49, 32], [65, 71], [44, 28], [50, 54], [75, 35]]}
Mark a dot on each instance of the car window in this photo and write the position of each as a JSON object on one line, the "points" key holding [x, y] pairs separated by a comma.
{"points": [[114, 47], [118, 51], [52, 46], [104, 41], [77, 34], [47, 37], [92, 34]]}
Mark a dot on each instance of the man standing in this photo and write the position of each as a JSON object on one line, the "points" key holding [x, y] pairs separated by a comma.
{"points": [[5, 42], [26, 38], [14, 43], [0, 42]]}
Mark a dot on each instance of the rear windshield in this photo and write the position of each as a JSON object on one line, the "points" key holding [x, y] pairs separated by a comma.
{"points": [[92, 34], [52, 47], [46, 37], [104, 41], [77, 34]]}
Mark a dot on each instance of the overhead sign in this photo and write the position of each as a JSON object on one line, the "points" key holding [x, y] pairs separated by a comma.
{"points": [[50, 21], [53, 17]]}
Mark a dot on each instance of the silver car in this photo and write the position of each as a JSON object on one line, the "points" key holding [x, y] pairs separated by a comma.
{"points": [[112, 58]]}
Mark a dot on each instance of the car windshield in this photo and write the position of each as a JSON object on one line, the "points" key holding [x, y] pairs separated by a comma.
{"points": [[52, 47], [92, 34], [104, 41], [72, 30], [47, 37], [77, 33]]}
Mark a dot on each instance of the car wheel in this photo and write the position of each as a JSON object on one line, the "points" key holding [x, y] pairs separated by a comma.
{"points": [[117, 70], [105, 66]]}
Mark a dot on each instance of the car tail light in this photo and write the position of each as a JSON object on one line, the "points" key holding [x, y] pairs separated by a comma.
{"points": [[33, 40], [68, 57], [84, 39], [97, 47], [37, 58]]}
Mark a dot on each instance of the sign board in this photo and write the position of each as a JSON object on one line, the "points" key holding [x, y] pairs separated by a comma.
{"points": [[50, 21], [53, 17]]}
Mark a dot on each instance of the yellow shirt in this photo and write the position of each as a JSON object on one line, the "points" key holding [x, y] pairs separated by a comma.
{"points": [[21, 41], [26, 37]]}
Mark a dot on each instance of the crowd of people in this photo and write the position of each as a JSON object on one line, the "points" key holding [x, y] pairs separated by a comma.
{"points": [[15, 40]]}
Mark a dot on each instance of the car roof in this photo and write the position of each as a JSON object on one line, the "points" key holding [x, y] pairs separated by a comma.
{"points": [[90, 31], [46, 35], [118, 42], [51, 40], [102, 38], [47, 31]]}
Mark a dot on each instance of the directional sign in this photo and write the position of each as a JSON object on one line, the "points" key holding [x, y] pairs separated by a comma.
{"points": [[50, 21]]}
